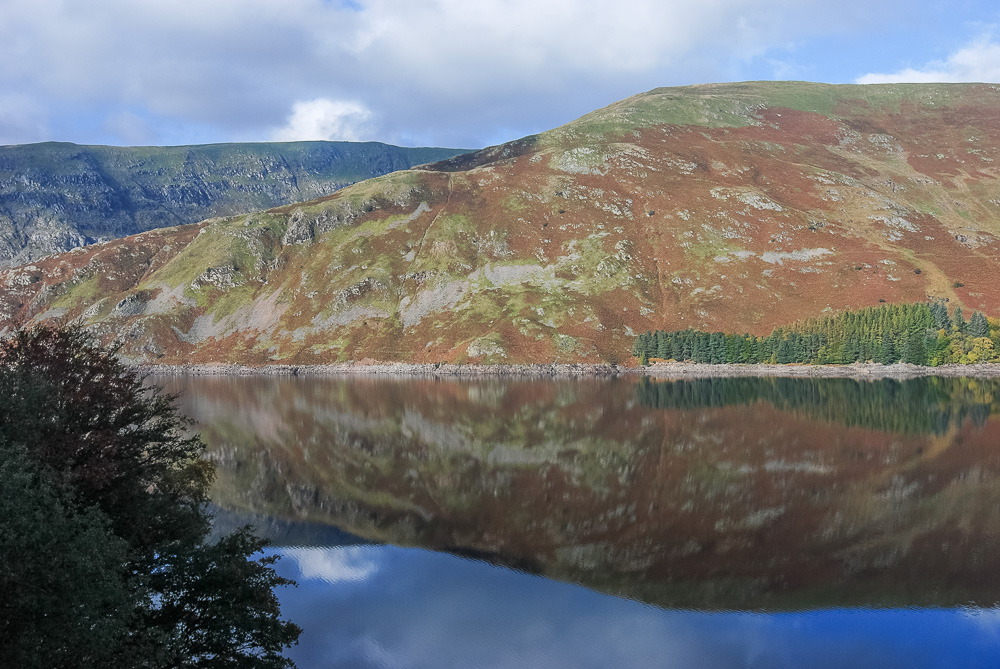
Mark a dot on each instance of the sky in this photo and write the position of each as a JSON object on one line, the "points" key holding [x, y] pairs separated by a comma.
{"points": [[454, 73]]}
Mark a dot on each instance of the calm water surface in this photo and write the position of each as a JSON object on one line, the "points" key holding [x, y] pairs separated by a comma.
{"points": [[620, 523]]}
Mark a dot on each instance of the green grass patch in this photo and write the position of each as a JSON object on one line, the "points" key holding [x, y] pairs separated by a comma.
{"points": [[211, 248], [514, 204], [86, 292], [597, 271]]}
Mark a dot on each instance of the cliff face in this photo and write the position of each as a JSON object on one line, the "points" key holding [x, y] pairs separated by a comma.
{"points": [[734, 207], [58, 196]]}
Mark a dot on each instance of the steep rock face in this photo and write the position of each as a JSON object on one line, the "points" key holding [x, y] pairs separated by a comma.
{"points": [[57, 196], [733, 207]]}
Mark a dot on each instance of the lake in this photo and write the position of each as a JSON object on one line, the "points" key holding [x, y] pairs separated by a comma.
{"points": [[619, 522]]}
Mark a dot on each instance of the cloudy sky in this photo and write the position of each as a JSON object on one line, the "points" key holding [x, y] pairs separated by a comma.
{"points": [[456, 73]]}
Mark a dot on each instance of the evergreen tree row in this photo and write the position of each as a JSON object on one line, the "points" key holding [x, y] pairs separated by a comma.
{"points": [[920, 334]]}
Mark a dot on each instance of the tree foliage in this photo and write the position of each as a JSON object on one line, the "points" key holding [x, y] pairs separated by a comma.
{"points": [[920, 334], [94, 456], [65, 601], [978, 326]]}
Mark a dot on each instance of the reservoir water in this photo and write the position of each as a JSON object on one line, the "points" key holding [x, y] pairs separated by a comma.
{"points": [[619, 522]]}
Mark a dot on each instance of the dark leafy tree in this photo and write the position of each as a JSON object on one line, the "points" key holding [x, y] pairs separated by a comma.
{"points": [[106, 439], [66, 600], [717, 348], [115, 456], [213, 601]]}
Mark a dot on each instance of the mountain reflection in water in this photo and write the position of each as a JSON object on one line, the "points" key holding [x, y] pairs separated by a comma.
{"points": [[713, 495]]}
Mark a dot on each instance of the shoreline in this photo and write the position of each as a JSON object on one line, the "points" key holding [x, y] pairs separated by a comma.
{"points": [[673, 370]]}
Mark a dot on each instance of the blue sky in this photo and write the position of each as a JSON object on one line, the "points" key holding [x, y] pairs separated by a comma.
{"points": [[437, 72]]}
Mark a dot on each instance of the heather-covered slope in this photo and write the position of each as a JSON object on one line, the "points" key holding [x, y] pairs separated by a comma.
{"points": [[734, 207], [57, 196]]}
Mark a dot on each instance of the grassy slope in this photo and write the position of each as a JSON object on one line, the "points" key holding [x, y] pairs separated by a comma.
{"points": [[735, 207]]}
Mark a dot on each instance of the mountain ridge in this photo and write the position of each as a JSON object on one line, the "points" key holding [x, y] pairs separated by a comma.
{"points": [[55, 196]]}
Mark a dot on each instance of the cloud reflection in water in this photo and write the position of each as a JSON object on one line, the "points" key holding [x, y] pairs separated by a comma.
{"points": [[332, 565], [384, 607]]}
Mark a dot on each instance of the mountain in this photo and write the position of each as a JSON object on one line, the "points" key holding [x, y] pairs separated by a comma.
{"points": [[735, 207], [57, 196]]}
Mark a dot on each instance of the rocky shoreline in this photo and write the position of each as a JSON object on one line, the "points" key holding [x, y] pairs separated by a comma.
{"points": [[389, 369], [679, 370]]}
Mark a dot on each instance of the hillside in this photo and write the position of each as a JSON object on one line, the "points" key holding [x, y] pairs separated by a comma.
{"points": [[735, 207], [57, 196]]}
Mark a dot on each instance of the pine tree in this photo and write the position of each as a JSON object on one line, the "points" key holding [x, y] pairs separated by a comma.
{"points": [[717, 348], [785, 352], [662, 349], [885, 352], [958, 320], [687, 344], [700, 351], [978, 325], [940, 315], [914, 351], [639, 347]]}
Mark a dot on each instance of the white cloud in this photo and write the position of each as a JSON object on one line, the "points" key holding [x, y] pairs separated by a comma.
{"points": [[326, 119], [444, 72], [977, 62]]}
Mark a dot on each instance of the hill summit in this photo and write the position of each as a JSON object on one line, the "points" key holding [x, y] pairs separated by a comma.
{"points": [[734, 207]]}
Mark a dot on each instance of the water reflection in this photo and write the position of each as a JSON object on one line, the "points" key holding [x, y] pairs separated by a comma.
{"points": [[688, 495], [930, 405], [415, 608]]}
